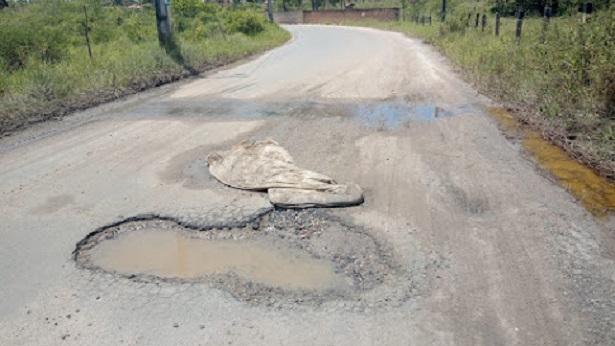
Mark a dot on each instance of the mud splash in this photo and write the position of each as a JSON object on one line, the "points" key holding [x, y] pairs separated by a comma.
{"points": [[595, 192], [172, 254]]}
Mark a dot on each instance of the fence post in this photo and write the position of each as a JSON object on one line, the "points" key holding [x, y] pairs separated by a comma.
{"points": [[430, 20], [484, 23], [477, 18], [545, 24], [497, 24], [87, 32], [587, 9], [584, 56], [519, 25], [443, 13], [469, 17]]}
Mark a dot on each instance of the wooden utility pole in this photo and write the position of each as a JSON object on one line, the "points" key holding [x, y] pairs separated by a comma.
{"points": [[443, 13], [545, 24], [519, 24], [163, 23], [270, 10]]}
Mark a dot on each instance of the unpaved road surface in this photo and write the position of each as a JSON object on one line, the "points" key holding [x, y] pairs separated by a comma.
{"points": [[494, 252]]}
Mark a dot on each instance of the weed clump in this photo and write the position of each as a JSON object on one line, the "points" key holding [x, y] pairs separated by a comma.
{"points": [[245, 22]]}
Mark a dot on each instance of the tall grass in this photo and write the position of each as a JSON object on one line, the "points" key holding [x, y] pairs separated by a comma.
{"points": [[46, 70], [563, 82]]}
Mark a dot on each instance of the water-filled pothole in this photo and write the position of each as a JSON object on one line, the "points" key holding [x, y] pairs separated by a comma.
{"points": [[303, 257], [176, 254]]}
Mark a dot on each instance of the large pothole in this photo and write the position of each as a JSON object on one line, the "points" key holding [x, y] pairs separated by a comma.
{"points": [[302, 257]]}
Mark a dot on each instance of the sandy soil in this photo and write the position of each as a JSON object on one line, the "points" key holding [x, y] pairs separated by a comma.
{"points": [[499, 254]]}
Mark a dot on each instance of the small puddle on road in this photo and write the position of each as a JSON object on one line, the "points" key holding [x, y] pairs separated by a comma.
{"points": [[393, 114], [595, 192], [171, 254]]}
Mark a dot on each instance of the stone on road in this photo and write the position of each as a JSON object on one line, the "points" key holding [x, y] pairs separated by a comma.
{"points": [[475, 245]]}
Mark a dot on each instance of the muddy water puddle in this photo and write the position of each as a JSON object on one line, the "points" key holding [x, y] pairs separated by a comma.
{"points": [[395, 114], [280, 258], [595, 192], [386, 114], [173, 254]]}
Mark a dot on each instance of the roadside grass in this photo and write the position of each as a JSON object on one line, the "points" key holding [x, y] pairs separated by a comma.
{"points": [[127, 58], [565, 87]]}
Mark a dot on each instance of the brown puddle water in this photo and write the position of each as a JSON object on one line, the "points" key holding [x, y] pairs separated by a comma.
{"points": [[171, 254], [595, 192]]}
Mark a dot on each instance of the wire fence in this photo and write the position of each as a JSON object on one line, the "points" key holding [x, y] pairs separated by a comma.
{"points": [[489, 22]]}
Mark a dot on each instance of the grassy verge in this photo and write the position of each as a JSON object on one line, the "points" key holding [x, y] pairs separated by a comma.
{"points": [[46, 71], [564, 87]]}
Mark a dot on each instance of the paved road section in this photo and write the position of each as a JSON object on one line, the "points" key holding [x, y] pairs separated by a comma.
{"points": [[497, 253]]}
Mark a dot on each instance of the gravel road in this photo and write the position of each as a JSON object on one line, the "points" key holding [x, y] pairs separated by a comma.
{"points": [[492, 251]]}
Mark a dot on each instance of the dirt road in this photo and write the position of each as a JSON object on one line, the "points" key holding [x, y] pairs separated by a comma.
{"points": [[494, 252]]}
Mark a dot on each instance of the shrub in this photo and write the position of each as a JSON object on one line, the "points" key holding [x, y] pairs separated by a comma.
{"points": [[47, 86], [139, 27], [186, 8], [247, 22], [19, 42]]}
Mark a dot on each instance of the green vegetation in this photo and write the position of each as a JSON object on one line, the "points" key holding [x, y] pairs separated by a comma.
{"points": [[46, 71], [562, 7], [561, 82], [504, 7]]}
